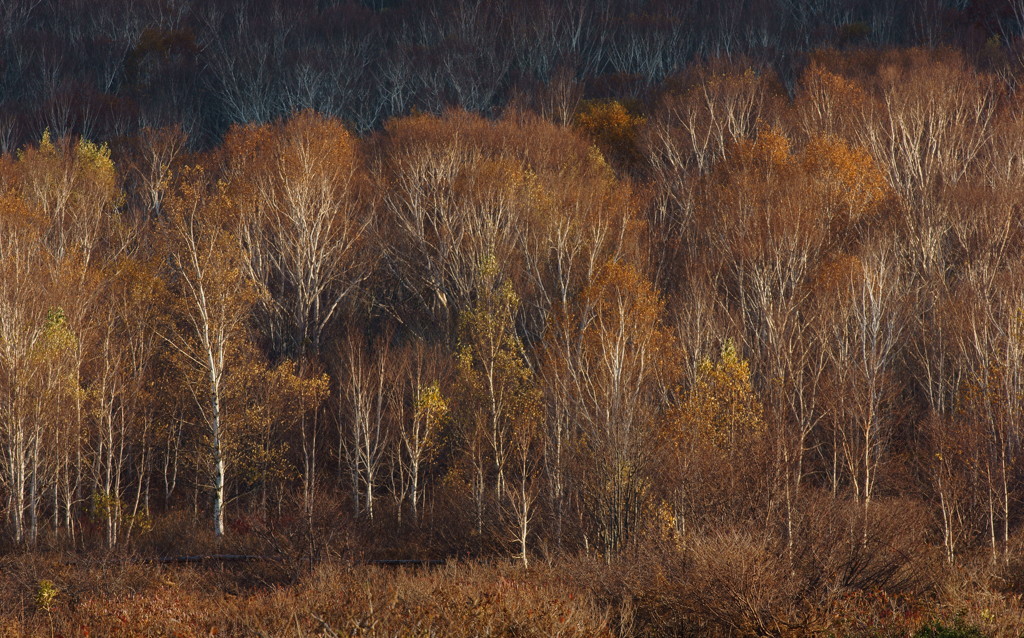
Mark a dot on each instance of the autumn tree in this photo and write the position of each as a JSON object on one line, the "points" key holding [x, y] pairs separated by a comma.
{"points": [[930, 121], [863, 343], [775, 217], [498, 396], [306, 225], [613, 129], [454, 200], [120, 395], [76, 187], [720, 423], [956, 461], [213, 306], [991, 400], [618, 364], [524, 483], [458, 190], [69, 189], [420, 431], [22, 314], [722, 406]]}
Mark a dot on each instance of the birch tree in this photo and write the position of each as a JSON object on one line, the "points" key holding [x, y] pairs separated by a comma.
{"points": [[213, 307]]}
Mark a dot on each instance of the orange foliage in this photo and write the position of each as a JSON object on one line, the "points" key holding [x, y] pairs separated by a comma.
{"points": [[614, 130]]}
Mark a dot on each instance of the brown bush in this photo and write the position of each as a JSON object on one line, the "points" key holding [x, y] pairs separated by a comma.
{"points": [[335, 599]]}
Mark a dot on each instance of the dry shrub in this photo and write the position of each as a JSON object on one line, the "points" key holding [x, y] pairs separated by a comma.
{"points": [[728, 584], [984, 595], [732, 583], [739, 582], [334, 599], [842, 548], [176, 532], [875, 613], [459, 600], [835, 579]]}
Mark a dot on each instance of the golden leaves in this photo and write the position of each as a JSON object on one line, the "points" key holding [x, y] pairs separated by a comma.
{"points": [[430, 404], [77, 179], [829, 103], [497, 384], [722, 406], [769, 196], [613, 128], [847, 181], [430, 411], [769, 152], [623, 301]]}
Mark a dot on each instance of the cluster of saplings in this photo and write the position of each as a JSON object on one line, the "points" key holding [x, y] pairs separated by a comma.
{"points": [[775, 340]]}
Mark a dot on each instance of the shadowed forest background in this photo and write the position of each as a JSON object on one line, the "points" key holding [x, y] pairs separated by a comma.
{"points": [[648, 318]]}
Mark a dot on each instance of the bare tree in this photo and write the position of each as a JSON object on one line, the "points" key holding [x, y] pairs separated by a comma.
{"points": [[863, 348], [364, 430]]}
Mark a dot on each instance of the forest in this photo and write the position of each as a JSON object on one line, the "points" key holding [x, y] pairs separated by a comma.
{"points": [[631, 319]]}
